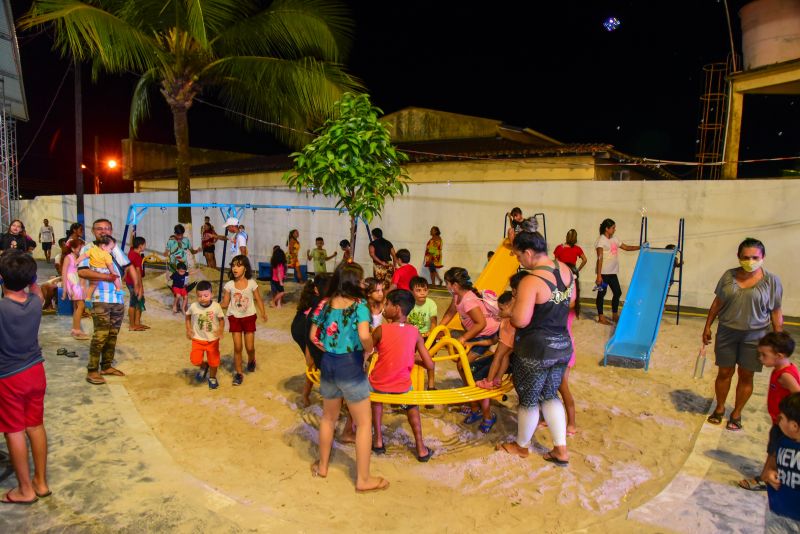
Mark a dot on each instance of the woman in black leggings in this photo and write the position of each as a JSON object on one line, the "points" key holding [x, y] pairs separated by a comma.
{"points": [[607, 247]]}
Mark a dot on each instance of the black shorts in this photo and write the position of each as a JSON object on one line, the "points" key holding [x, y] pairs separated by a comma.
{"points": [[47, 246], [276, 287], [209, 250]]}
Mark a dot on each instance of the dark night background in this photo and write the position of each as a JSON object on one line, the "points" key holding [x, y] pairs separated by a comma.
{"points": [[550, 66]]}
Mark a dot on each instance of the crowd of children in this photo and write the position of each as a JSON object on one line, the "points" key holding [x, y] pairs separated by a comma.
{"points": [[342, 320]]}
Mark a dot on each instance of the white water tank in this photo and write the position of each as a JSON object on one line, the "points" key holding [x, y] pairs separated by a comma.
{"points": [[770, 32]]}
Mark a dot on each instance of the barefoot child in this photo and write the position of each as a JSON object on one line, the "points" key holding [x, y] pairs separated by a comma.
{"points": [[278, 269], [136, 306], [341, 331], [310, 298], [179, 280], [100, 261], [424, 315], [205, 323], [782, 472], [397, 342], [22, 378], [774, 350], [241, 298]]}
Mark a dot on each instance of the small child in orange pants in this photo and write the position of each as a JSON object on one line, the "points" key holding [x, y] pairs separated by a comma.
{"points": [[205, 323]]}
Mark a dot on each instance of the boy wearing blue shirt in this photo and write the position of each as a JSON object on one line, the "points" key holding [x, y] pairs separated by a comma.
{"points": [[782, 471]]}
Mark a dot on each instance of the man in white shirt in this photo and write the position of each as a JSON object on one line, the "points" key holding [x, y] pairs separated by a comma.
{"points": [[46, 238], [237, 239]]}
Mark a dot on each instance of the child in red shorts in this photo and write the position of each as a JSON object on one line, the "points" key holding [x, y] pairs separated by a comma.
{"points": [[179, 280], [22, 379], [241, 298], [205, 322]]}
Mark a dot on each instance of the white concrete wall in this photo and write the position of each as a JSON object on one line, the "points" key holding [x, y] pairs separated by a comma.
{"points": [[719, 214]]}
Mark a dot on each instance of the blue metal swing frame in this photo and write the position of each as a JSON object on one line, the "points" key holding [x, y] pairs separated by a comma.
{"points": [[137, 210]]}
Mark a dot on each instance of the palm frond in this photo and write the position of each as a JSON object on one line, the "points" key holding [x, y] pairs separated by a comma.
{"points": [[140, 103], [291, 29], [207, 18], [85, 31], [297, 94]]}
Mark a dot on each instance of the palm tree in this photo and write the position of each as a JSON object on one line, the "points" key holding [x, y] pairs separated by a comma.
{"points": [[280, 61]]}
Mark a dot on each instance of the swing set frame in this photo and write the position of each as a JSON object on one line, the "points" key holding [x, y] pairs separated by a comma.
{"points": [[137, 210]]}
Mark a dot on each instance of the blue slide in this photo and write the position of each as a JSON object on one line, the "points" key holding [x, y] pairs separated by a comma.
{"points": [[638, 325]]}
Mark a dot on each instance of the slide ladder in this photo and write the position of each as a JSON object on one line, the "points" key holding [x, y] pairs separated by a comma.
{"points": [[638, 325]]}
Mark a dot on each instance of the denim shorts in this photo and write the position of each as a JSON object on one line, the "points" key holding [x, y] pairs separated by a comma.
{"points": [[480, 350], [342, 375], [480, 367]]}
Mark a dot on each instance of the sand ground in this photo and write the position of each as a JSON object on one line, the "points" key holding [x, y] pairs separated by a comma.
{"points": [[252, 445]]}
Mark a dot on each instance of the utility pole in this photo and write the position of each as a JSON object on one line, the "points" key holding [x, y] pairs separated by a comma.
{"points": [[96, 172], [78, 144]]}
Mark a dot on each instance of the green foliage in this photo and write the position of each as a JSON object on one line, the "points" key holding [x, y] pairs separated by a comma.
{"points": [[352, 159], [280, 62]]}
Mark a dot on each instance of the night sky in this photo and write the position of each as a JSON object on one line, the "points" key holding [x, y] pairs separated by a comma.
{"points": [[550, 66]]}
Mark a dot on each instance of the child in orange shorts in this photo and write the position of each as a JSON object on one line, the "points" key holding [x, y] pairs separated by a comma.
{"points": [[205, 323]]}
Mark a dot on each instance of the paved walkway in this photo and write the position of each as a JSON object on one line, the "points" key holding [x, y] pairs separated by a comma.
{"points": [[107, 470], [703, 496]]}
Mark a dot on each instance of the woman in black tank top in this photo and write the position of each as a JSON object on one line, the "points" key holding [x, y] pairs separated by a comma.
{"points": [[542, 346]]}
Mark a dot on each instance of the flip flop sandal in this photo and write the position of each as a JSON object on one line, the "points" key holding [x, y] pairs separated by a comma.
{"points": [[427, 457], [715, 418], [71, 354], [548, 457], [753, 484], [112, 371], [62, 352], [487, 424], [734, 424], [473, 417], [96, 381], [8, 500], [379, 450]]}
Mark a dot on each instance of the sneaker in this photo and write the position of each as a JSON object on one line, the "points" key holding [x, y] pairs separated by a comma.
{"points": [[213, 384], [251, 366], [238, 379]]}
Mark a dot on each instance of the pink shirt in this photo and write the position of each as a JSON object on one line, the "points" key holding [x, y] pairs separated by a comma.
{"points": [[279, 273], [468, 302], [507, 333], [396, 349]]}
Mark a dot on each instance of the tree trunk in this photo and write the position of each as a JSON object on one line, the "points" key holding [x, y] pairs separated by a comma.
{"points": [[353, 231], [180, 123]]}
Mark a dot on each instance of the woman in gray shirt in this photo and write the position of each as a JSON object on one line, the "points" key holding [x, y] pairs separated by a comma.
{"points": [[748, 299]]}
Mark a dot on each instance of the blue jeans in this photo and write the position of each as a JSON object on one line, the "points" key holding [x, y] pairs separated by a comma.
{"points": [[342, 375]]}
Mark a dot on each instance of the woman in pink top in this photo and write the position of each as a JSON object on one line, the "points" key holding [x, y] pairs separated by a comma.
{"points": [[478, 325], [397, 342], [73, 288]]}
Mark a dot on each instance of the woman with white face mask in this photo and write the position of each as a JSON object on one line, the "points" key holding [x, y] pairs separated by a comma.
{"points": [[748, 299]]}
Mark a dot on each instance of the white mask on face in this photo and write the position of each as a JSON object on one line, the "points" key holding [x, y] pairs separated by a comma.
{"points": [[751, 265]]}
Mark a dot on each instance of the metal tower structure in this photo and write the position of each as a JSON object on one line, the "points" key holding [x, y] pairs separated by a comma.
{"points": [[12, 108], [713, 112]]}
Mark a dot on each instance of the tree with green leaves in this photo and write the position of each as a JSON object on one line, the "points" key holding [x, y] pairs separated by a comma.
{"points": [[352, 159], [280, 62]]}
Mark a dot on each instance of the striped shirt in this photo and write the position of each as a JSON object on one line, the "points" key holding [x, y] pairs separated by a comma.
{"points": [[106, 292]]}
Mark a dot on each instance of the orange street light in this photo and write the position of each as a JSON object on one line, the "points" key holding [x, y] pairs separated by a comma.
{"points": [[112, 164]]}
